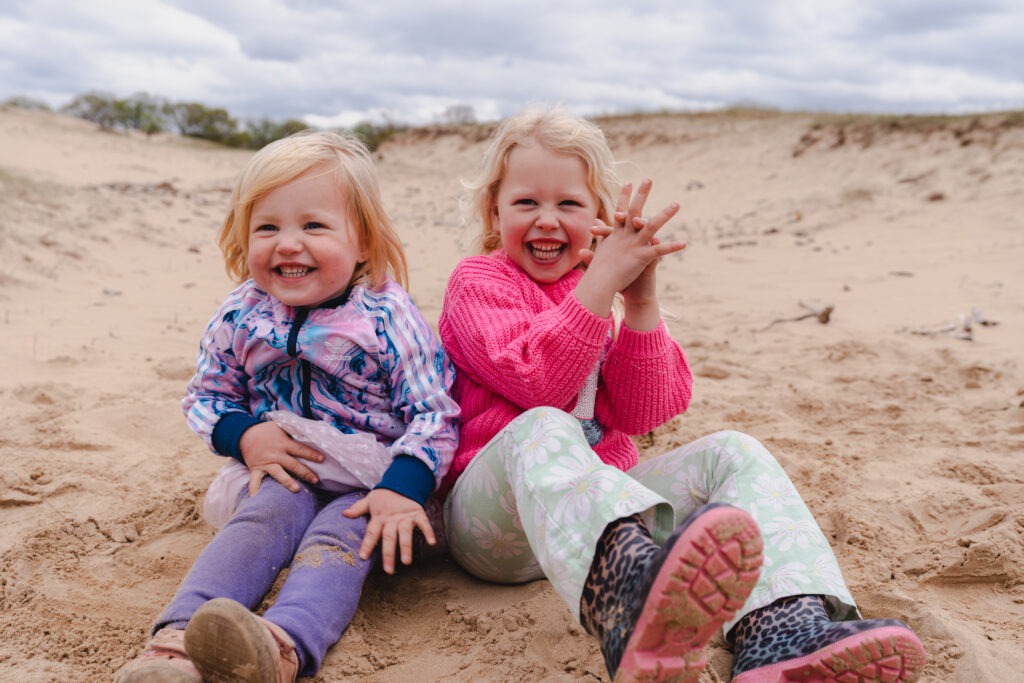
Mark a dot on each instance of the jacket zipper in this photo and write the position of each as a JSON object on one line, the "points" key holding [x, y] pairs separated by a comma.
{"points": [[293, 350]]}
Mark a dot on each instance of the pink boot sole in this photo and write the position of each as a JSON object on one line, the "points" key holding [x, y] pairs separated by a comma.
{"points": [[889, 654], [707, 576]]}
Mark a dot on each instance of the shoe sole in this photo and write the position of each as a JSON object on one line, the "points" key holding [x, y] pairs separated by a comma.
{"points": [[707, 576], [155, 673], [888, 654], [227, 644]]}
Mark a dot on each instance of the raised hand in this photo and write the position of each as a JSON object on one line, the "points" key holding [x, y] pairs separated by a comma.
{"points": [[626, 257]]}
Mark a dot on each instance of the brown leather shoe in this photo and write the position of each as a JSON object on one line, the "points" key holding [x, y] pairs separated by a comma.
{"points": [[229, 644]]}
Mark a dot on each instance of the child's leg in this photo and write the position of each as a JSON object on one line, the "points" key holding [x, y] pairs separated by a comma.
{"points": [[653, 608], [316, 602], [731, 467], [242, 561], [538, 498], [320, 596], [535, 501]]}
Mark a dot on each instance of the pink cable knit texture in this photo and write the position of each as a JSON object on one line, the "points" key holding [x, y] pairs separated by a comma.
{"points": [[518, 344]]}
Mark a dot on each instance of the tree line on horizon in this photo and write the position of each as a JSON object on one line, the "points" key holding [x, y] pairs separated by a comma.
{"points": [[151, 114]]}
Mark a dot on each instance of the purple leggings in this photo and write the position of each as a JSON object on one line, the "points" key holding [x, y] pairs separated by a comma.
{"points": [[270, 531]]}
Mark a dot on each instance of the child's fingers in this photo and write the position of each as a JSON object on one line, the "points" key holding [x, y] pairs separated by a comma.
{"points": [[600, 229], [297, 468], [357, 509], [405, 529], [298, 450], [370, 539], [282, 477], [666, 248], [622, 205], [255, 478], [423, 524], [388, 541], [636, 204], [652, 225]]}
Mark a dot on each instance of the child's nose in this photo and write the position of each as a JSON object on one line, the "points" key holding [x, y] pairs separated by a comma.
{"points": [[289, 244], [547, 219]]}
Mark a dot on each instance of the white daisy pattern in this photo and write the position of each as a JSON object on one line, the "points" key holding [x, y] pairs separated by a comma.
{"points": [[539, 443], [507, 501], [501, 544], [689, 482], [826, 569], [785, 532], [775, 493], [485, 483], [788, 579], [579, 493]]}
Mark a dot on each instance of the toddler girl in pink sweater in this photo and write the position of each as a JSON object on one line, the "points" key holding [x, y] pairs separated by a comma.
{"points": [[653, 557]]}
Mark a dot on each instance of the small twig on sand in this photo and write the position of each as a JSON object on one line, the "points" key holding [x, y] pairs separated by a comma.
{"points": [[823, 314], [963, 328]]}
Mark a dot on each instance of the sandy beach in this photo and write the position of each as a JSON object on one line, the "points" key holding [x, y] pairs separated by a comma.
{"points": [[900, 419]]}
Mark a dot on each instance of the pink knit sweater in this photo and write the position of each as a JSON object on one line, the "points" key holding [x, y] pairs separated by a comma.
{"points": [[518, 344]]}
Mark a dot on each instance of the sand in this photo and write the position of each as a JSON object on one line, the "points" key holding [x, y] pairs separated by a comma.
{"points": [[905, 438]]}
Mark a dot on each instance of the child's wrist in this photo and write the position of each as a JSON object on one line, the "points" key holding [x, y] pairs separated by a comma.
{"points": [[594, 297], [641, 316]]}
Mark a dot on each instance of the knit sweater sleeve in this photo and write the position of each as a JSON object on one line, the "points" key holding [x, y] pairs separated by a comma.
{"points": [[646, 381], [507, 336]]}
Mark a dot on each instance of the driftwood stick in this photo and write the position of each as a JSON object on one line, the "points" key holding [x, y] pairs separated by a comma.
{"points": [[963, 328], [823, 314]]}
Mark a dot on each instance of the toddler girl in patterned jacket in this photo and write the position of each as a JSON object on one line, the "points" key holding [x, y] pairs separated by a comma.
{"points": [[322, 382]]}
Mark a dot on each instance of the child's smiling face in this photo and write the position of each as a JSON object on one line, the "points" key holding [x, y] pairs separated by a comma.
{"points": [[544, 211], [303, 246]]}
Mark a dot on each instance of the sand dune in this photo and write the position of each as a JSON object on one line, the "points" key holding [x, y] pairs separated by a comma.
{"points": [[906, 438]]}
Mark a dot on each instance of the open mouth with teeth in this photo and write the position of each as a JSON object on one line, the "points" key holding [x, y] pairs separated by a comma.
{"points": [[545, 251], [292, 271]]}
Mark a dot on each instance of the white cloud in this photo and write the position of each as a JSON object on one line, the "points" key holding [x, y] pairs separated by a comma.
{"points": [[337, 62]]}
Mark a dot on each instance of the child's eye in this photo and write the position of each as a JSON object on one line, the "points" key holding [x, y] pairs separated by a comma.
{"points": [[525, 201], [266, 227], [571, 202], [314, 225]]}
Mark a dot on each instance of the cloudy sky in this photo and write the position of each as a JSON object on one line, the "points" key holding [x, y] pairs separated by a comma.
{"points": [[338, 62]]}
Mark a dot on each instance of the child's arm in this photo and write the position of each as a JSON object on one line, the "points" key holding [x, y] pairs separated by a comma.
{"points": [[646, 378], [420, 376], [218, 388], [646, 381], [529, 354]]}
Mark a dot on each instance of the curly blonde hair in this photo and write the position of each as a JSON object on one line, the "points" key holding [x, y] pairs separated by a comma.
{"points": [[557, 130], [284, 160]]}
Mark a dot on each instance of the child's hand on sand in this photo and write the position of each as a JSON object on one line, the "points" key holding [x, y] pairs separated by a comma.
{"points": [[269, 450], [393, 520]]}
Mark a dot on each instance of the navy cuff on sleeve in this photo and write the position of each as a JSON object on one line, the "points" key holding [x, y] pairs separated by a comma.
{"points": [[227, 434], [409, 476]]}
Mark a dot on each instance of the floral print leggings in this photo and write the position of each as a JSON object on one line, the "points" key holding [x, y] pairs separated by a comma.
{"points": [[534, 501]]}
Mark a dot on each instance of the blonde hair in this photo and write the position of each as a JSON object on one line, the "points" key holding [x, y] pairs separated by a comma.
{"points": [[557, 130], [284, 160]]}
